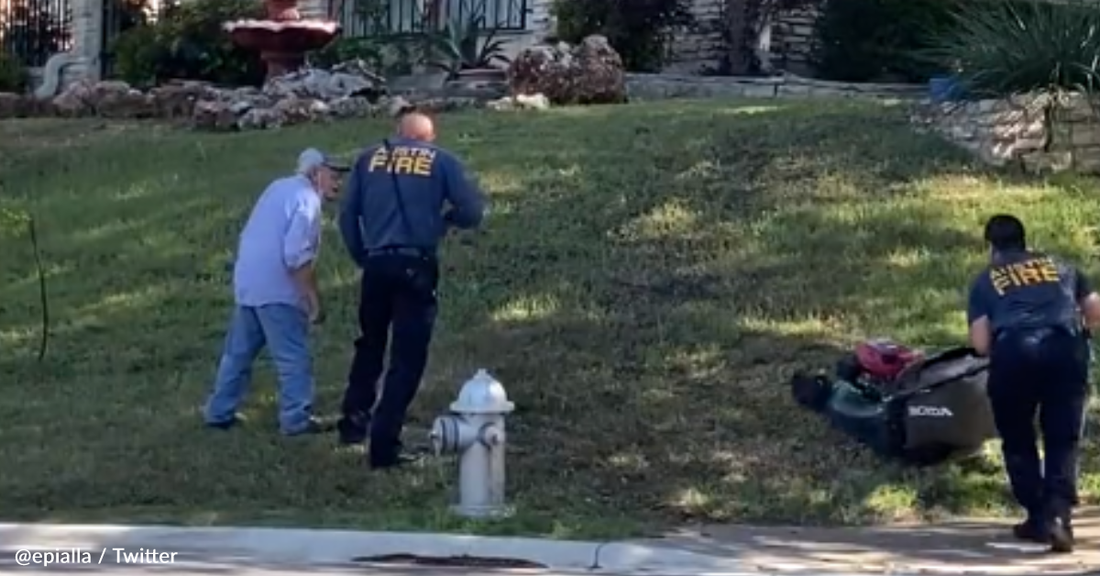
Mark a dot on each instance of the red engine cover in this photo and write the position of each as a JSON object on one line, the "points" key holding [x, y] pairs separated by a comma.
{"points": [[884, 359]]}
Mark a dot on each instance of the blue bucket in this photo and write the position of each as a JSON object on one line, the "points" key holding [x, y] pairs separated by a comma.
{"points": [[944, 89]]}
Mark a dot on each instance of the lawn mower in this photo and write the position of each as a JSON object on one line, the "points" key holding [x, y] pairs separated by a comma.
{"points": [[904, 405]]}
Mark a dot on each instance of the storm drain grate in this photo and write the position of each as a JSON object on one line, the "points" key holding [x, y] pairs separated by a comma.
{"points": [[450, 561]]}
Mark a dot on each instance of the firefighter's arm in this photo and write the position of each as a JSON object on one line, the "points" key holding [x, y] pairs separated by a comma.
{"points": [[1088, 300], [977, 318]]}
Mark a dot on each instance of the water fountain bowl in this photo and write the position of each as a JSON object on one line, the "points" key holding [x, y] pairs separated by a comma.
{"points": [[284, 38]]}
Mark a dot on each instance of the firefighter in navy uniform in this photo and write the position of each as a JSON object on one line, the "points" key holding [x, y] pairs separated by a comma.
{"points": [[403, 195], [1030, 313]]}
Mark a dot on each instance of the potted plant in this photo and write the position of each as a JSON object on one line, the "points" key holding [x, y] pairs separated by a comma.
{"points": [[469, 51]]}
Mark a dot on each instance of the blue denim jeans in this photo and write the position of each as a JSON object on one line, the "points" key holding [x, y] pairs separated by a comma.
{"points": [[284, 329]]}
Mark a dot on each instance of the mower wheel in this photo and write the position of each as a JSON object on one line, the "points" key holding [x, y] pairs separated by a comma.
{"points": [[811, 392]]}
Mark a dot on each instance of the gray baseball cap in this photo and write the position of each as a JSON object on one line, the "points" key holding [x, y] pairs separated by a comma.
{"points": [[311, 158]]}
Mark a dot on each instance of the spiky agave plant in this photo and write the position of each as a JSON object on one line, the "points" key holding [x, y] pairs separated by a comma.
{"points": [[998, 48]]}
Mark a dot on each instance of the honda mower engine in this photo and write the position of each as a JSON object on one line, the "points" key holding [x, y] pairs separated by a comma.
{"points": [[902, 404], [875, 365]]}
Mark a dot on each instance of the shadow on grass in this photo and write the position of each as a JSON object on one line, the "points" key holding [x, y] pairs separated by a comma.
{"points": [[648, 280], [669, 301]]}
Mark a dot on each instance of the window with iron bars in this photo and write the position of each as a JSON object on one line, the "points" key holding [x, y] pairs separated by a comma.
{"points": [[361, 18]]}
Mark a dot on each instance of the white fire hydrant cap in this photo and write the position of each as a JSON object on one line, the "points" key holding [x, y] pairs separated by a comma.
{"points": [[482, 394]]}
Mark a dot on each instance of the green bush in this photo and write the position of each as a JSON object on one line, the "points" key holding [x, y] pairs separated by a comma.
{"points": [[640, 30], [876, 40], [13, 76], [999, 48], [386, 55], [343, 49], [187, 42]]}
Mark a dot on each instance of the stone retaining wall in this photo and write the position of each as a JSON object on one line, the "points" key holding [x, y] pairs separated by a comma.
{"points": [[666, 86], [1034, 132]]}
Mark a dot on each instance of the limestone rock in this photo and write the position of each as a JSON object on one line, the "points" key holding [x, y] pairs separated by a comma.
{"points": [[348, 90], [178, 100], [520, 102], [589, 73], [213, 115], [77, 99]]}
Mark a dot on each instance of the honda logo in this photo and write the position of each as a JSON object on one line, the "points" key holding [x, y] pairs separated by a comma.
{"points": [[934, 411]]}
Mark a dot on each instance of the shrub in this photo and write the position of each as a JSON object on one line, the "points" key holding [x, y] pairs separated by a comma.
{"points": [[386, 55], [13, 75], [999, 48], [868, 40], [343, 49], [187, 42], [640, 30], [138, 55]]}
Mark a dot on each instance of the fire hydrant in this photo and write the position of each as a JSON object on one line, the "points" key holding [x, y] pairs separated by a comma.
{"points": [[475, 432]]}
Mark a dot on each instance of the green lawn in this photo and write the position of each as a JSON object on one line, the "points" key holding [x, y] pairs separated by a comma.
{"points": [[647, 281]]}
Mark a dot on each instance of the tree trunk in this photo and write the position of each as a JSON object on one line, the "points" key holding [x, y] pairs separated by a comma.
{"points": [[739, 61]]}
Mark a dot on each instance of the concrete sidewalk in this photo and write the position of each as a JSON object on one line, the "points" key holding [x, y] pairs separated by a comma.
{"points": [[952, 548], [979, 546]]}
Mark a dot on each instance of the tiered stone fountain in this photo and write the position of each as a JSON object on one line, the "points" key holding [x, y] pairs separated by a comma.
{"points": [[284, 38]]}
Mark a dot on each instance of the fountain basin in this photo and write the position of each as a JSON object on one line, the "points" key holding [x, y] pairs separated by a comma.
{"points": [[287, 36], [282, 44]]}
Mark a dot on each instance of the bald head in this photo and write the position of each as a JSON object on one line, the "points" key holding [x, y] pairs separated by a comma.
{"points": [[416, 126]]}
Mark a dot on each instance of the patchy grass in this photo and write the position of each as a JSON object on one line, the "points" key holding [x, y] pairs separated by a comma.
{"points": [[647, 281]]}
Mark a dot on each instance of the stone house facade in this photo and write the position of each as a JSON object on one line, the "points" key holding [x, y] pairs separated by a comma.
{"points": [[789, 41], [695, 51], [700, 50]]}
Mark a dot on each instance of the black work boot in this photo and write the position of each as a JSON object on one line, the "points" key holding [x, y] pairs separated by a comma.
{"points": [[399, 461], [353, 429], [1032, 530], [1061, 536]]}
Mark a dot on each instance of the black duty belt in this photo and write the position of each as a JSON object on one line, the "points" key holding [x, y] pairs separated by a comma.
{"points": [[400, 251], [1040, 332]]}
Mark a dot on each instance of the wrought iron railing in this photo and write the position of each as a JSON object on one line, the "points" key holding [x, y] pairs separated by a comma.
{"points": [[362, 18], [33, 30]]}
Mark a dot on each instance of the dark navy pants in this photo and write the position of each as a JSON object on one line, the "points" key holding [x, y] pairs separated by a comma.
{"points": [[398, 294], [1040, 372]]}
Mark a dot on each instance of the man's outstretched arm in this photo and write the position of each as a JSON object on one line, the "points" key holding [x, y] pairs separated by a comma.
{"points": [[466, 199]]}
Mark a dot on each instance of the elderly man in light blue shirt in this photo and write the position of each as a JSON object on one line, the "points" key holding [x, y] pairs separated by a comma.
{"points": [[275, 292]]}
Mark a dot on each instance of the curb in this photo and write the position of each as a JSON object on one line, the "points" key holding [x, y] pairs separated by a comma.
{"points": [[292, 546], [306, 547]]}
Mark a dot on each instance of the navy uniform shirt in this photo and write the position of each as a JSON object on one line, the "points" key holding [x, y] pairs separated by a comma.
{"points": [[427, 177], [1027, 290]]}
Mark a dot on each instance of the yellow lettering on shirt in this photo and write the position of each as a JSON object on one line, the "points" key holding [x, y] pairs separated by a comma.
{"points": [[403, 160], [1032, 272]]}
